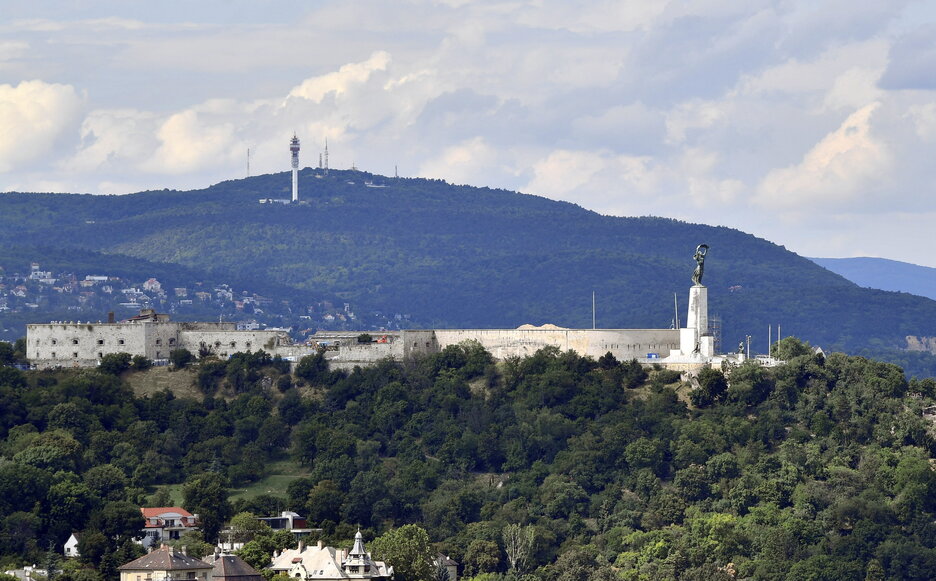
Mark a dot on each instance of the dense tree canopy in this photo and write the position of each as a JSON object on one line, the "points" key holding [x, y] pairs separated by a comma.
{"points": [[553, 466]]}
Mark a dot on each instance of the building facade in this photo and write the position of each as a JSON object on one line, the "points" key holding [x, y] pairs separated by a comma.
{"points": [[151, 335], [165, 564]]}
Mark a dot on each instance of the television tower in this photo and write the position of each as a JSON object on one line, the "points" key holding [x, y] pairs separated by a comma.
{"points": [[294, 148]]}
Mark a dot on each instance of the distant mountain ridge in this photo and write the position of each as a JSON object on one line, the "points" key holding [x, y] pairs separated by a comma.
{"points": [[884, 274], [459, 256]]}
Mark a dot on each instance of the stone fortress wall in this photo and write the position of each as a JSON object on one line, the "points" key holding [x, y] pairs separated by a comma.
{"points": [[70, 344], [154, 336]]}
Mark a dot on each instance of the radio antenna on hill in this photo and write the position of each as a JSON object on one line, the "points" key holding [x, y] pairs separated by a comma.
{"points": [[676, 311], [248, 162], [593, 310]]}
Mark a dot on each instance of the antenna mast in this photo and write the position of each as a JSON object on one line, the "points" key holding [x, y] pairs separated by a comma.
{"points": [[593, 310], [248, 162], [676, 311]]}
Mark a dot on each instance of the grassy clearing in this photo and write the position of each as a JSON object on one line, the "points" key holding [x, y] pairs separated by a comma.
{"points": [[280, 475], [180, 382]]}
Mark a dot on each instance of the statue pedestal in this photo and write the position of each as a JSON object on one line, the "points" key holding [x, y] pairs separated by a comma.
{"points": [[695, 338]]}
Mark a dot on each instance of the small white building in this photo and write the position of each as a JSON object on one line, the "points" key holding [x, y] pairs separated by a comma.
{"points": [[71, 546]]}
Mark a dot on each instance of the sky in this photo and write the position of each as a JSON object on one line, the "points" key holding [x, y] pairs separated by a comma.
{"points": [[811, 123]]}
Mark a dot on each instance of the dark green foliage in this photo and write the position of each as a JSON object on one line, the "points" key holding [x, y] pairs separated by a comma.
{"points": [[115, 363], [712, 387], [180, 358], [365, 338], [140, 363], [818, 468]]}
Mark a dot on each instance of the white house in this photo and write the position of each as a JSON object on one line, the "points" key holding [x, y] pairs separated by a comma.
{"points": [[321, 563], [166, 523], [71, 546]]}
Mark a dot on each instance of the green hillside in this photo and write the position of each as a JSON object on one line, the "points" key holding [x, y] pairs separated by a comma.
{"points": [[461, 256]]}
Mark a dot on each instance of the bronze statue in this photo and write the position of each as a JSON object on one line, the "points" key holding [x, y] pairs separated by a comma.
{"points": [[699, 256]]}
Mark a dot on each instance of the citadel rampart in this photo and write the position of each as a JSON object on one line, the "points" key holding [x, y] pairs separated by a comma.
{"points": [[69, 344]]}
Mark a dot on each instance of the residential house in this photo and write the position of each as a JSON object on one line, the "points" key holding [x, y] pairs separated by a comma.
{"points": [[71, 546], [291, 521], [166, 523], [165, 564], [231, 568], [450, 565], [321, 563]]}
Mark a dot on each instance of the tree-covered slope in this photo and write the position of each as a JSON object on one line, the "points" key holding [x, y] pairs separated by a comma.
{"points": [[460, 256], [884, 274], [820, 468]]}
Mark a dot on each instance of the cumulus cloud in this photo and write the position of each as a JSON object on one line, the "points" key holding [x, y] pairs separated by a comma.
{"points": [[461, 163], [187, 143], [34, 116], [845, 165], [340, 81]]}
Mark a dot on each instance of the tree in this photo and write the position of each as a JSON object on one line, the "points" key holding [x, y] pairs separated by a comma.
{"points": [[407, 550], [481, 557], [206, 495], [712, 387], [7, 356], [115, 363], [180, 358], [313, 368], [140, 363], [162, 497], [245, 526], [518, 544], [789, 347]]}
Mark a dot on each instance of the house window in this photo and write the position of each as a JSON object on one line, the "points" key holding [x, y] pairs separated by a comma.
{"points": [[75, 355], [100, 341], [233, 344], [120, 341], [248, 345], [159, 341], [53, 355], [158, 355], [100, 355], [54, 341], [74, 341], [172, 341], [191, 575]]}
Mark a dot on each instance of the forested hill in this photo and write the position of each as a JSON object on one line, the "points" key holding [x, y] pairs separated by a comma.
{"points": [[884, 274], [459, 256], [820, 468]]}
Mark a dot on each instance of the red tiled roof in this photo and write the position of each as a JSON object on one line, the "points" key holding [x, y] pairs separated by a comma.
{"points": [[154, 512]]}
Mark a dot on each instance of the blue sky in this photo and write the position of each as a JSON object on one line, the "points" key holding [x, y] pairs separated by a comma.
{"points": [[809, 123]]}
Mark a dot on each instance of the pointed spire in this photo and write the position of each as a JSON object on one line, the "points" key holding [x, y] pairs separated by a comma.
{"points": [[358, 549]]}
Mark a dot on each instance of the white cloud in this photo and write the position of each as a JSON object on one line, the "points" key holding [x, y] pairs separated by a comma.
{"points": [[34, 115], [844, 166], [188, 144], [340, 81], [462, 163]]}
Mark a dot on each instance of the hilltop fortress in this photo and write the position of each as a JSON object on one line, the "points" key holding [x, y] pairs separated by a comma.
{"points": [[152, 335]]}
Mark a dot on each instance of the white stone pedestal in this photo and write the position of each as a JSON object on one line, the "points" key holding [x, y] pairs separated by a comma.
{"points": [[694, 339]]}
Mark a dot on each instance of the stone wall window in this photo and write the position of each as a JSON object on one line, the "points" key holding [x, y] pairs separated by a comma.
{"points": [[74, 341], [172, 341], [100, 341], [120, 341], [159, 341], [54, 341], [75, 355], [53, 355]]}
